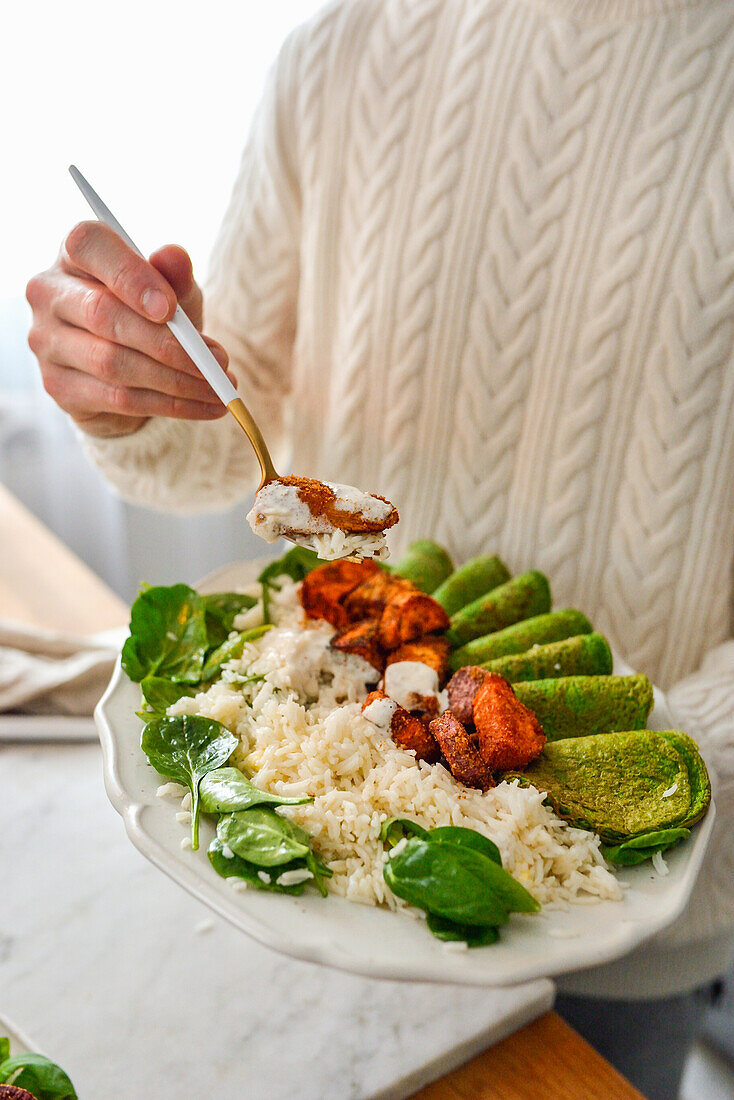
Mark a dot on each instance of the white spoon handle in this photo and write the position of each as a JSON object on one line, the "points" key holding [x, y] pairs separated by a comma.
{"points": [[180, 325]]}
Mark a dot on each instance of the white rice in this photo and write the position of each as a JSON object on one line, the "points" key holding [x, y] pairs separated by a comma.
{"points": [[301, 731]]}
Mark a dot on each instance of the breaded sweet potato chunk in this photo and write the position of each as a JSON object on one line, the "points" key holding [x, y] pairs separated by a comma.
{"points": [[431, 649], [363, 639], [408, 615], [370, 596], [324, 589], [462, 687], [411, 731], [509, 734], [461, 753], [322, 501]]}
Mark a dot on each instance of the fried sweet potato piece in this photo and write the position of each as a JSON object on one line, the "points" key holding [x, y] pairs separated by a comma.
{"points": [[324, 589], [363, 639], [431, 649], [370, 596], [460, 751], [509, 734], [411, 731], [462, 688], [408, 615], [322, 500]]}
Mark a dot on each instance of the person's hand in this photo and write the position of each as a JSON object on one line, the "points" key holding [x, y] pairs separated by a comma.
{"points": [[99, 334]]}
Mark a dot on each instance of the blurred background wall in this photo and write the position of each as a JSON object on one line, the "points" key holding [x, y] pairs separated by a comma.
{"points": [[153, 101]]}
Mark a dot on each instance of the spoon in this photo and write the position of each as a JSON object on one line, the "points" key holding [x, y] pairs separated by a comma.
{"points": [[192, 343]]}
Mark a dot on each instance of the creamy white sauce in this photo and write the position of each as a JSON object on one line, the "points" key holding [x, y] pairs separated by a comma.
{"points": [[380, 712], [278, 509], [410, 683]]}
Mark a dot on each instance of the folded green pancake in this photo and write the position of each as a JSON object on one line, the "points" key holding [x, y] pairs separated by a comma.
{"points": [[426, 564], [541, 629], [520, 598], [577, 706], [622, 785], [470, 581], [584, 655]]}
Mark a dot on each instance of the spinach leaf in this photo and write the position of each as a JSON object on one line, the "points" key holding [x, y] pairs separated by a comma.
{"points": [[235, 866], [396, 828], [475, 935], [185, 748], [457, 882], [4, 1048], [263, 837], [319, 870], [229, 649], [467, 838], [640, 848], [159, 693], [227, 790], [168, 635], [296, 563], [220, 611], [44, 1079]]}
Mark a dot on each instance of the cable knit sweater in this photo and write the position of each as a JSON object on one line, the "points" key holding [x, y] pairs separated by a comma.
{"points": [[480, 258]]}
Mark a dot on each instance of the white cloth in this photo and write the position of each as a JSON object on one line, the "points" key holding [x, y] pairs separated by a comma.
{"points": [[480, 258], [47, 672]]}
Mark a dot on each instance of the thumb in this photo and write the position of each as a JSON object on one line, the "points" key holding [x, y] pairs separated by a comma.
{"points": [[175, 265]]}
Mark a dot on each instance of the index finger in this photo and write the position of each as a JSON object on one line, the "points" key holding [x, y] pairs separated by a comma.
{"points": [[92, 248]]}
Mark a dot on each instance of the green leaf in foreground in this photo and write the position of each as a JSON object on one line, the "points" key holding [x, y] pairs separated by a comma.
{"points": [[227, 790], [35, 1073], [641, 848], [160, 693], [4, 1048], [472, 934], [233, 866], [168, 635], [396, 828], [263, 837], [185, 748], [459, 883], [466, 838]]}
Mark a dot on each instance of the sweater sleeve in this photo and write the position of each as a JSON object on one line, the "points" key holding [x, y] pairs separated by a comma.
{"points": [[703, 704], [250, 305]]}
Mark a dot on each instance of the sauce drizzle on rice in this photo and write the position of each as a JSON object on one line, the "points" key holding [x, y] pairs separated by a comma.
{"points": [[301, 731]]}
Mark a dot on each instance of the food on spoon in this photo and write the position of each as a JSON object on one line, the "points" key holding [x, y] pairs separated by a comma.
{"points": [[520, 598], [408, 615], [585, 655], [540, 630], [334, 520], [461, 752], [578, 706], [508, 732], [425, 564], [324, 590], [431, 649], [622, 785], [470, 581]]}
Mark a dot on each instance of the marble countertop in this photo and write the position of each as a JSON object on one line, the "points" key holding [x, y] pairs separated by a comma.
{"points": [[133, 986]]}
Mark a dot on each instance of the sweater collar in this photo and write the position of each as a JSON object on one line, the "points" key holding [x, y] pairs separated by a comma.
{"points": [[604, 11]]}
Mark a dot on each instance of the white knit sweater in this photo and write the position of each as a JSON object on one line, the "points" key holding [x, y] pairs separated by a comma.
{"points": [[480, 258]]}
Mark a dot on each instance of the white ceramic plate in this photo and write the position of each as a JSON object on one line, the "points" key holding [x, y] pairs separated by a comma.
{"points": [[364, 939]]}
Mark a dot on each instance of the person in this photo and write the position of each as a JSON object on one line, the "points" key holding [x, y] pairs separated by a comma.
{"points": [[478, 258]]}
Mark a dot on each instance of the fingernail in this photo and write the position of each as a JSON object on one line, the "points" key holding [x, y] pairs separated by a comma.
{"points": [[155, 304]]}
